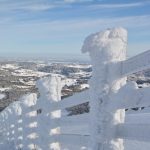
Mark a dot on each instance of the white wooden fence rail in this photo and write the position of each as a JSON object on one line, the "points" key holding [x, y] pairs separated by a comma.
{"points": [[39, 124]]}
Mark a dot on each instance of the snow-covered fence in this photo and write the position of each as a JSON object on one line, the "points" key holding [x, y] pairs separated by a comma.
{"points": [[62, 132], [10, 126], [110, 94], [36, 123], [40, 123], [29, 121], [107, 49]]}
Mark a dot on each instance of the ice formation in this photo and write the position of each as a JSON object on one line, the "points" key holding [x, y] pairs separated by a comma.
{"points": [[105, 48]]}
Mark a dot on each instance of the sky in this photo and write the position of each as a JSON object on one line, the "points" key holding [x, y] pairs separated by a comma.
{"points": [[46, 27]]}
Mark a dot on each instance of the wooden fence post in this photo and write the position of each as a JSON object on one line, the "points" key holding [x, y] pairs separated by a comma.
{"points": [[106, 49]]}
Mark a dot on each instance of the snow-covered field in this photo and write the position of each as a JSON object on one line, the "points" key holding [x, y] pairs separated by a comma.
{"points": [[18, 78]]}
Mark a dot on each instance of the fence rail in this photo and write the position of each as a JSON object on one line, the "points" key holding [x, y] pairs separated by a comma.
{"points": [[76, 99], [138, 132]]}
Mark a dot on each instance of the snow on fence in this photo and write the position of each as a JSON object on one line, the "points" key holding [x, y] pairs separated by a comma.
{"points": [[40, 124]]}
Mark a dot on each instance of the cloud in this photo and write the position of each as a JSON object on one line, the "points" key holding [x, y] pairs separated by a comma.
{"points": [[71, 23], [37, 7], [94, 24], [77, 1], [122, 5], [69, 1], [55, 35], [6, 6], [41, 5], [132, 21]]}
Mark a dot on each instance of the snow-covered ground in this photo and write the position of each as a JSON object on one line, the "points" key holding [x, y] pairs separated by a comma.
{"points": [[68, 81], [27, 72], [4, 89], [10, 66], [2, 96]]}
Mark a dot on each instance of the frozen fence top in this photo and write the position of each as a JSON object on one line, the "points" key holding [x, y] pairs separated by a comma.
{"points": [[50, 87], [106, 43]]}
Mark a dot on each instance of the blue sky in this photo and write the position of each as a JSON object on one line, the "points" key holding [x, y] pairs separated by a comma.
{"points": [[45, 27]]}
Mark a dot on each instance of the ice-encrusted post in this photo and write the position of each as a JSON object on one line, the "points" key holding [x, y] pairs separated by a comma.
{"points": [[28, 103], [106, 49], [50, 92], [18, 126]]}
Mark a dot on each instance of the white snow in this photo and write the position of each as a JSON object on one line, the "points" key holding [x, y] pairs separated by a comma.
{"points": [[5, 89], [27, 72], [27, 83], [84, 86], [22, 87], [80, 66], [2, 96], [105, 47], [10, 66]]}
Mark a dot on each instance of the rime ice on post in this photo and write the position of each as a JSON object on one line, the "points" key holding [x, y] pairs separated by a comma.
{"points": [[50, 92], [18, 126], [106, 49], [28, 103]]}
